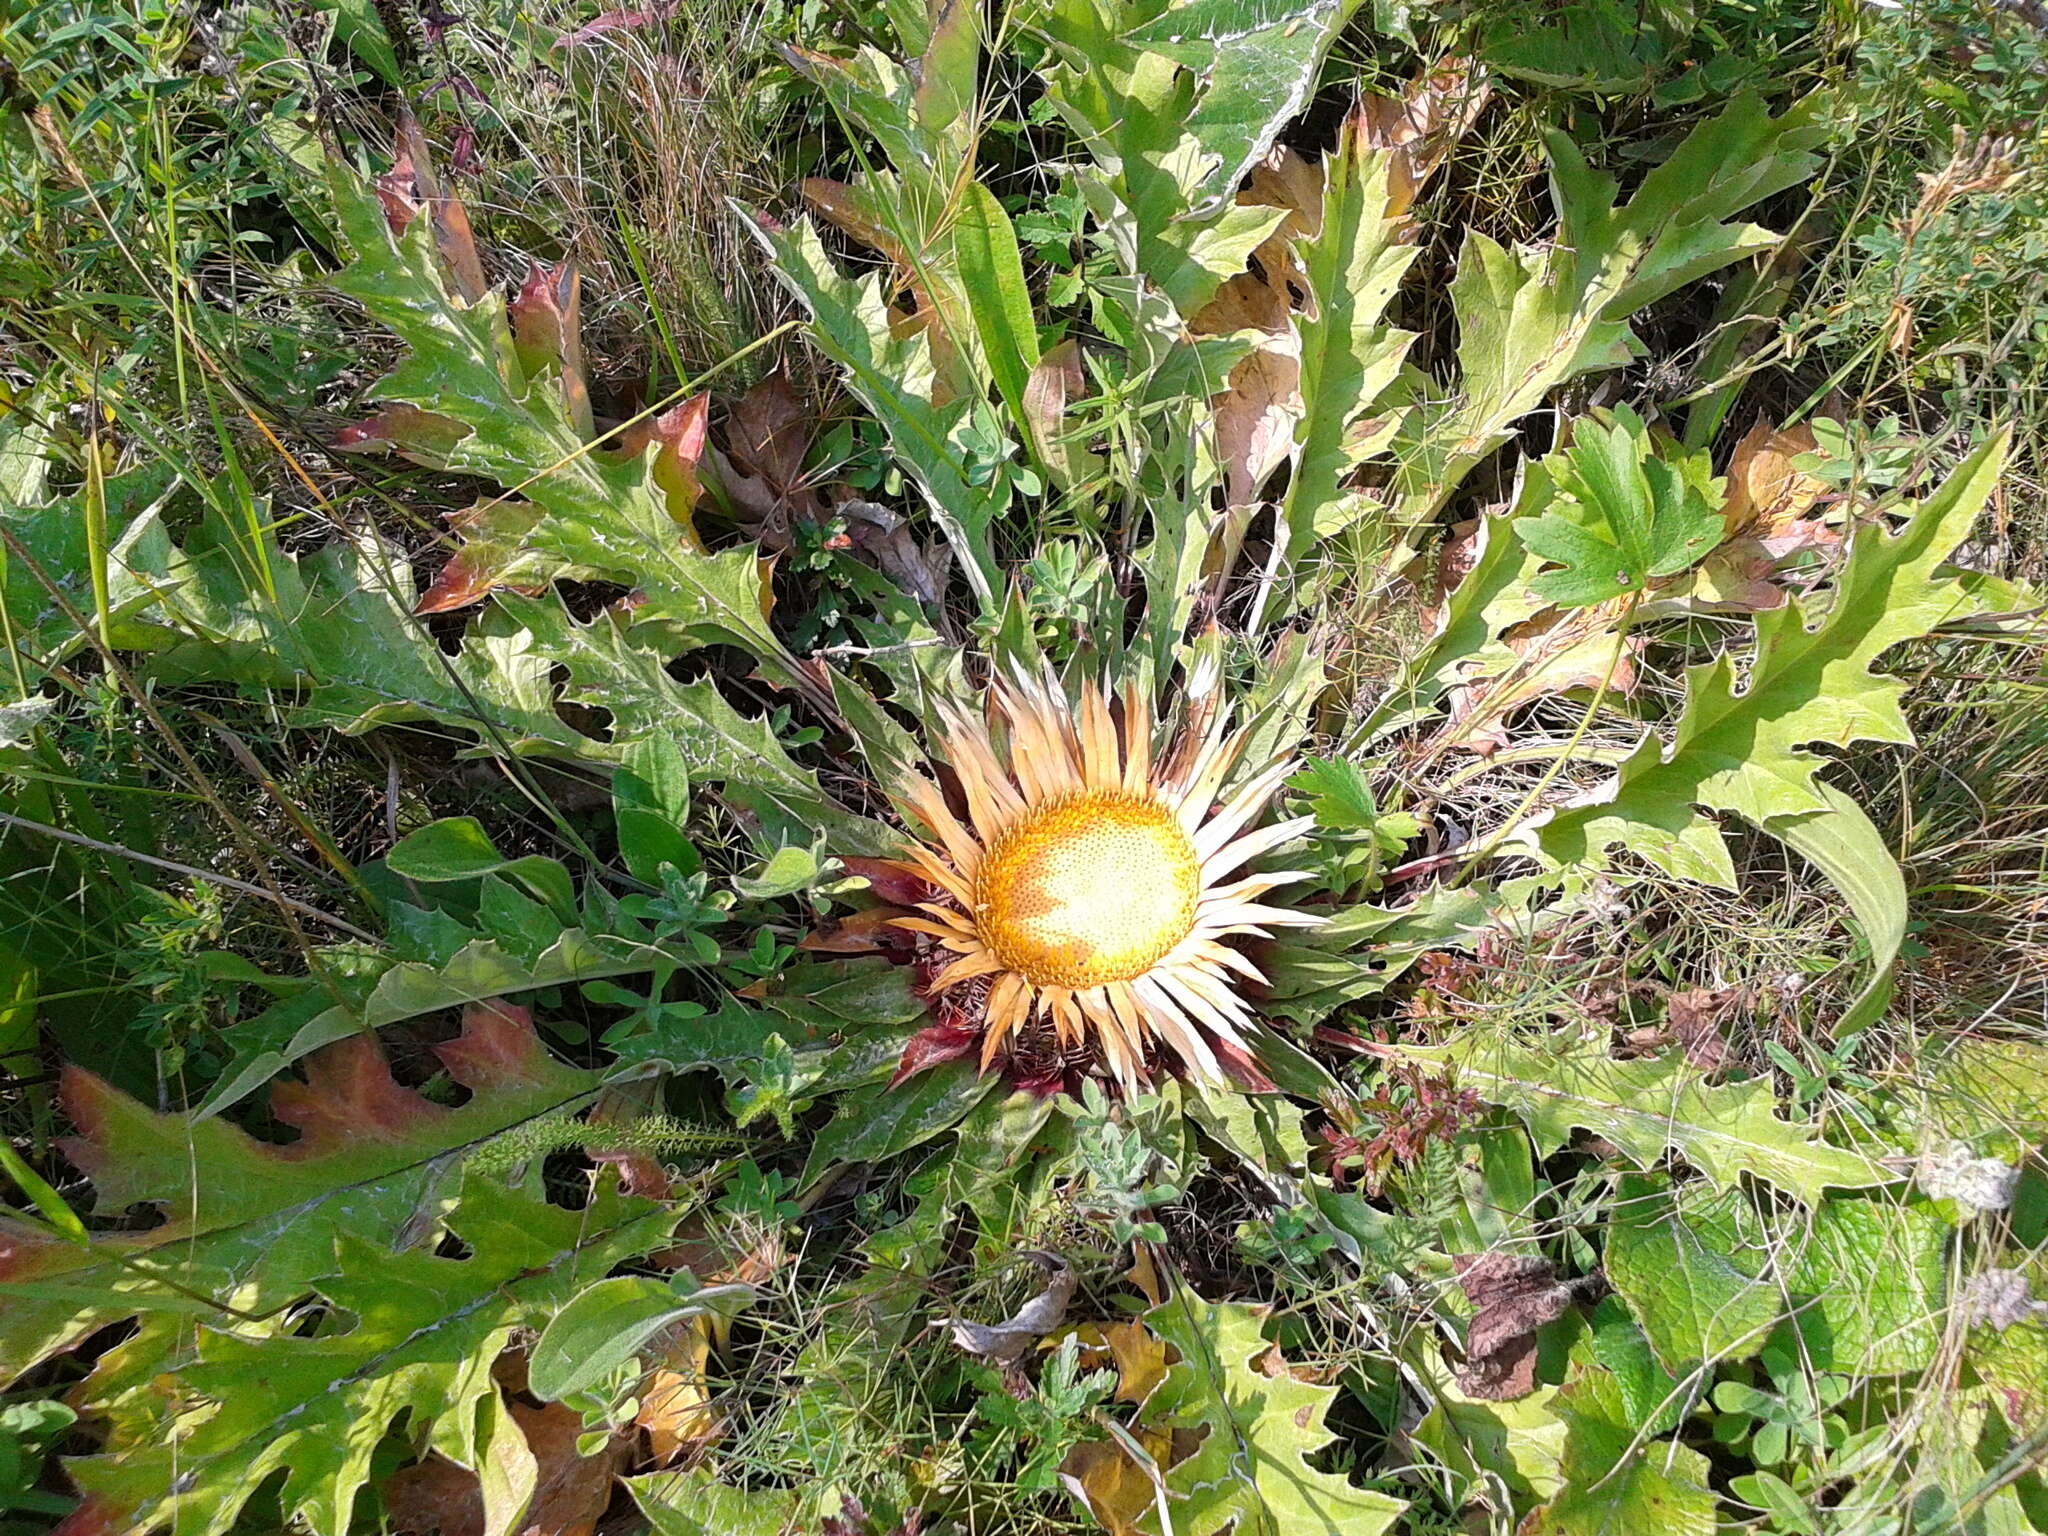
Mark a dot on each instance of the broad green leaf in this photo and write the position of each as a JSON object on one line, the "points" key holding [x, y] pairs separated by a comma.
{"points": [[650, 804], [1746, 747], [1654, 1399], [1647, 1108], [605, 1325], [1843, 844], [1611, 1483], [1251, 1472], [1517, 1445], [1871, 1281], [456, 848], [1695, 1306], [1630, 516], [879, 1122], [993, 273]]}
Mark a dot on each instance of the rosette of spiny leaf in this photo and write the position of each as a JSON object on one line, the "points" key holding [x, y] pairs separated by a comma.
{"points": [[1090, 878]]}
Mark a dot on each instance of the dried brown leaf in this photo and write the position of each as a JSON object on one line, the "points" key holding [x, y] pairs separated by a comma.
{"points": [[1514, 1295]]}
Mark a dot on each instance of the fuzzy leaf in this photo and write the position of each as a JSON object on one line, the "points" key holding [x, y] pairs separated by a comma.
{"points": [[1250, 1473], [1695, 1306], [1647, 1108]]}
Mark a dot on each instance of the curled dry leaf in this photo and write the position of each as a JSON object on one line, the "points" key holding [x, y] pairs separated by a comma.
{"points": [[1140, 1356], [1055, 383], [1115, 1487], [1773, 511], [1007, 1342], [676, 1401], [884, 537], [1422, 125], [1515, 1294], [1556, 652], [1256, 414]]}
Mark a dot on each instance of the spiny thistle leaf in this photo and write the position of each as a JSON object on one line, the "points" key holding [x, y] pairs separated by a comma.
{"points": [[599, 517], [414, 1335], [1746, 747], [250, 1223], [1647, 1108], [894, 377], [1251, 1471], [1534, 318]]}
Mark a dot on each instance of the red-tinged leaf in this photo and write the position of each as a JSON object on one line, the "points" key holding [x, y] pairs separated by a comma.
{"points": [[257, 1217], [547, 335], [894, 881], [934, 1045], [678, 436], [418, 435], [860, 933], [1243, 1070], [453, 237], [615, 21], [491, 555], [397, 193], [349, 1097], [94, 1516], [851, 209]]}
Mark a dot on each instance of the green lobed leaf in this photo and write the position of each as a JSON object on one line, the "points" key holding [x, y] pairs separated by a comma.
{"points": [[1637, 516], [893, 377], [254, 1222], [1250, 1474], [599, 516], [1746, 746], [412, 1335], [1353, 262], [1648, 1108]]}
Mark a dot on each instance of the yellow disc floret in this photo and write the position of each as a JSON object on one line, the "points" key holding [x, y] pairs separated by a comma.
{"points": [[1089, 889]]}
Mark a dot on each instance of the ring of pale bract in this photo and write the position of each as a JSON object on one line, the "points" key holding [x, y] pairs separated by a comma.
{"points": [[1091, 889]]}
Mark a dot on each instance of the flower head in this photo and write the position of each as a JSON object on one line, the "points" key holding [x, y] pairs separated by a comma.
{"points": [[1094, 884]]}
